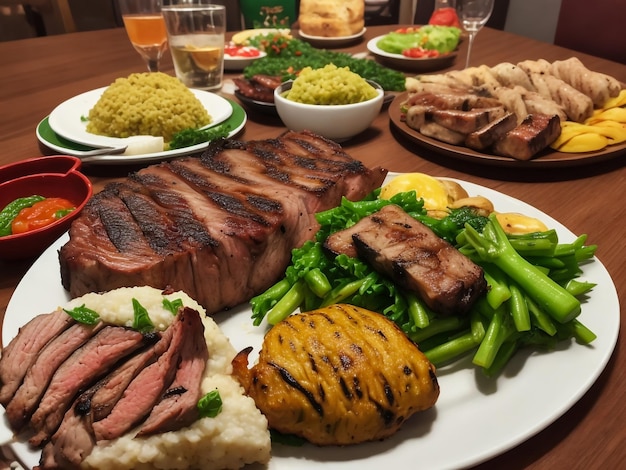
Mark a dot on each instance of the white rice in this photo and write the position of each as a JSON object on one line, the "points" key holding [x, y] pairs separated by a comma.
{"points": [[237, 436]]}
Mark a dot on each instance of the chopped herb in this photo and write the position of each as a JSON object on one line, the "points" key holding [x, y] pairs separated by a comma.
{"points": [[63, 212], [172, 305], [210, 405], [189, 137], [83, 314], [141, 321]]}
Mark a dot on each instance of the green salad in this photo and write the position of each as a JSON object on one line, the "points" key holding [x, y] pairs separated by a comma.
{"points": [[443, 39]]}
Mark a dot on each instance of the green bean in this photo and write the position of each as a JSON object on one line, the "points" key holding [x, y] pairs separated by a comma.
{"points": [[12, 209]]}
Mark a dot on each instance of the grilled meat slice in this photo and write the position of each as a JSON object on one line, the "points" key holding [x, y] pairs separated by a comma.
{"points": [[259, 87], [40, 373], [534, 134], [337, 376], [415, 258], [23, 350], [439, 132], [179, 405], [146, 388], [492, 132], [82, 368], [453, 100], [220, 228], [463, 122]]}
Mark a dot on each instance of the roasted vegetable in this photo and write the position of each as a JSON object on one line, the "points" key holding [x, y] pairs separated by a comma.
{"points": [[339, 375]]}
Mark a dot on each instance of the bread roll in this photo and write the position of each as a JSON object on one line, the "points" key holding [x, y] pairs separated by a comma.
{"points": [[329, 18]]}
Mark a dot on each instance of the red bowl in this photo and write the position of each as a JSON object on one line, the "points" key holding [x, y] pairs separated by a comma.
{"points": [[55, 176]]}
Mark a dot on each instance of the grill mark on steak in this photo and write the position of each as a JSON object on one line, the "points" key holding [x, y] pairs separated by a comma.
{"points": [[40, 373], [23, 350], [178, 407], [84, 366], [146, 388], [414, 257], [220, 227]]}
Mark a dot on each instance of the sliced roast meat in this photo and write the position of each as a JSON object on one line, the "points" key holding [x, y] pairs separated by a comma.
{"points": [[418, 260], [463, 122], [534, 134], [100, 400], [70, 445], [178, 407], [74, 439], [145, 390], [22, 351], [492, 132], [110, 345], [220, 227], [40, 373]]}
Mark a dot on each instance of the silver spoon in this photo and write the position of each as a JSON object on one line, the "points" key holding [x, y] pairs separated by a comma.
{"points": [[98, 151]]}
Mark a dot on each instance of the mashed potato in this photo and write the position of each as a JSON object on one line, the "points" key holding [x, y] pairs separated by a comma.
{"points": [[330, 85], [237, 436], [154, 104]]}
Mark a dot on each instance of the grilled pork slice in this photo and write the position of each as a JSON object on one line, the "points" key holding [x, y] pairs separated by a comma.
{"points": [[463, 122], [23, 350], [442, 133], [492, 132], [534, 134], [453, 100], [337, 376], [220, 227], [415, 258]]}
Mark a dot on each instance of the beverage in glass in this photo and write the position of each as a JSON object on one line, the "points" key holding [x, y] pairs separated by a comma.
{"points": [[196, 41], [146, 29]]}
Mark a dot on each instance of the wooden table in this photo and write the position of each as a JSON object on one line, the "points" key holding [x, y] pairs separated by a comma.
{"points": [[38, 74]]}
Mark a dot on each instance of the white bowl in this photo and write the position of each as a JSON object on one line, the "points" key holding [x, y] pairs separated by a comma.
{"points": [[335, 122]]}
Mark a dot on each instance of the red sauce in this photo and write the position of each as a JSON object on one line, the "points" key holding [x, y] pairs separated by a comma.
{"points": [[40, 214]]}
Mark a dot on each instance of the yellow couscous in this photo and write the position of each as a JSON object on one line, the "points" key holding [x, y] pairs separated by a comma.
{"points": [[330, 85], [154, 104]]}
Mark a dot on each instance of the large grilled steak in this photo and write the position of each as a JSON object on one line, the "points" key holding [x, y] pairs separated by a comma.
{"points": [[220, 227]]}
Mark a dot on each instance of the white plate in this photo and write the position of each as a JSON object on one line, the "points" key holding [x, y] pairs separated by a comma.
{"points": [[67, 118], [236, 63], [475, 418], [427, 64], [323, 41], [50, 139]]}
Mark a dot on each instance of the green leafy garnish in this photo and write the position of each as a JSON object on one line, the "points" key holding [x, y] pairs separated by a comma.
{"points": [[172, 305], [84, 315], [63, 212], [286, 57], [210, 405], [189, 137], [141, 320]]}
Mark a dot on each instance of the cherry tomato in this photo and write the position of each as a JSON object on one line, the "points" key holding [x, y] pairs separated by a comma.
{"points": [[241, 51], [40, 214], [420, 53], [445, 17]]}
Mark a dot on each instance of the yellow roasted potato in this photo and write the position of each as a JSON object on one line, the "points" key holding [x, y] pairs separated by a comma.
{"points": [[338, 375]]}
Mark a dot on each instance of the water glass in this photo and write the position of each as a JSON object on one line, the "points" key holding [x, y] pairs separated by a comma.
{"points": [[195, 31]]}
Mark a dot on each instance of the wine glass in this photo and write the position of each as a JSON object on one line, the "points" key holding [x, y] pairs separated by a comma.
{"points": [[473, 15], [146, 29]]}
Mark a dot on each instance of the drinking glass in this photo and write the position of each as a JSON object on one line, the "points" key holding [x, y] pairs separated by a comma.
{"points": [[146, 29], [473, 15], [196, 32]]}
